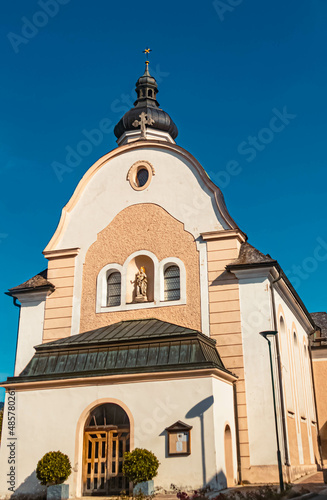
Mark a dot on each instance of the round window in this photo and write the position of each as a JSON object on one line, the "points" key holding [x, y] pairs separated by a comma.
{"points": [[142, 177]]}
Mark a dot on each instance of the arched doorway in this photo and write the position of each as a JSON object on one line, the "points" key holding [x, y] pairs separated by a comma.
{"points": [[106, 438], [229, 457]]}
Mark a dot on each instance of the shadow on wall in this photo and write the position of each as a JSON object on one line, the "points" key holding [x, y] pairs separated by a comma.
{"points": [[30, 489], [222, 278], [220, 481], [217, 482], [198, 411]]}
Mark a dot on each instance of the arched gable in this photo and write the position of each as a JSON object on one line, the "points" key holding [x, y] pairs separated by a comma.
{"points": [[179, 184]]}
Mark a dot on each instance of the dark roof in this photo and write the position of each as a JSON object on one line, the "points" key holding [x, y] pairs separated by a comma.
{"points": [[122, 331], [250, 255], [138, 346], [39, 281], [320, 320], [146, 89]]}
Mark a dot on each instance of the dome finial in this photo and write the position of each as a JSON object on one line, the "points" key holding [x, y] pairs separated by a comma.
{"points": [[147, 62], [147, 53]]}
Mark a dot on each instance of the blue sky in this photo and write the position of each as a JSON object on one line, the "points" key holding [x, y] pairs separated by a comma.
{"points": [[224, 71]]}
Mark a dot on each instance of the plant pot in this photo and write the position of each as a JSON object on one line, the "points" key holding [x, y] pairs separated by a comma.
{"points": [[58, 492], [147, 488]]}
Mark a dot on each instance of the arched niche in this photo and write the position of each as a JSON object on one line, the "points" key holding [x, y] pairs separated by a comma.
{"points": [[133, 268], [229, 457]]}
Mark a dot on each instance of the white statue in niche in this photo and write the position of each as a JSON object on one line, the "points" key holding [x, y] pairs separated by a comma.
{"points": [[141, 283]]}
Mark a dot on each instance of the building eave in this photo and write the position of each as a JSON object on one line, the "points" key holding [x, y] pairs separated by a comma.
{"points": [[15, 292], [219, 373]]}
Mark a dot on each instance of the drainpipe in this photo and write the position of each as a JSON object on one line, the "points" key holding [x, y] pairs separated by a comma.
{"points": [[315, 402], [237, 430], [279, 366], [19, 307]]}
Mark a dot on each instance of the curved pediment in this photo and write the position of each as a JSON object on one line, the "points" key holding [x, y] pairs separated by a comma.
{"points": [[179, 184]]}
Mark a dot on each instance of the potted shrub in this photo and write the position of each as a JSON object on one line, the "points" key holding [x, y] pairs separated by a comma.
{"points": [[140, 466], [52, 470]]}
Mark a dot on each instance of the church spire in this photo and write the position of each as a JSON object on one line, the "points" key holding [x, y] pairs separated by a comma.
{"points": [[146, 120], [146, 89]]}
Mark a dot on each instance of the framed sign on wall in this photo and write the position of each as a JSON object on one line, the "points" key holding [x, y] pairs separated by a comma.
{"points": [[179, 438]]}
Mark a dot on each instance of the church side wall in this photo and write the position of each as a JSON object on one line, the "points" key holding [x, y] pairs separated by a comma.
{"points": [[256, 317], [225, 326], [297, 386]]}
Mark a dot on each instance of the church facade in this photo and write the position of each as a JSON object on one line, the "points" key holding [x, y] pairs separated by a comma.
{"points": [[144, 331]]}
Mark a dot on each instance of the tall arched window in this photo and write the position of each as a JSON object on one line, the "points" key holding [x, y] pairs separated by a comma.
{"points": [[114, 289], [283, 337], [172, 283]]}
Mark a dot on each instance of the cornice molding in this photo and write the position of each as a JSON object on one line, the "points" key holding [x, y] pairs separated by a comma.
{"points": [[224, 235], [31, 295], [57, 254], [120, 379]]}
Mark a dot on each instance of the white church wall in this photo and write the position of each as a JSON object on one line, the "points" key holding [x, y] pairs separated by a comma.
{"points": [[256, 316], [30, 330], [47, 420], [297, 376]]}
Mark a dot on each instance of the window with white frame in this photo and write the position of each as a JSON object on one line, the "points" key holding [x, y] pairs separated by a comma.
{"points": [[113, 289], [172, 283], [116, 283]]}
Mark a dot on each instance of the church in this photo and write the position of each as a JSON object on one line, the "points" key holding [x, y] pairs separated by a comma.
{"points": [[144, 331]]}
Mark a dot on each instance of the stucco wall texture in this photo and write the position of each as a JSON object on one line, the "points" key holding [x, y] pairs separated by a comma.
{"points": [[136, 228]]}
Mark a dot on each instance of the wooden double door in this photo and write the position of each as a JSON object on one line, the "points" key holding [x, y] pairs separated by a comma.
{"points": [[103, 461]]}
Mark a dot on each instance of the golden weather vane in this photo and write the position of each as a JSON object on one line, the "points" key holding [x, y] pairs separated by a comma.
{"points": [[147, 54]]}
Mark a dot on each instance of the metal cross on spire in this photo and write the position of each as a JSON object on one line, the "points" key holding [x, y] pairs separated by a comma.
{"points": [[147, 54]]}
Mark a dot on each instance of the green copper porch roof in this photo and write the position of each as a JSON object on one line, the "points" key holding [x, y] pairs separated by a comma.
{"points": [[138, 346], [123, 331]]}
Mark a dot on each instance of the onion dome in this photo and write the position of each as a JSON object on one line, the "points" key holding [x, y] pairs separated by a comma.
{"points": [[146, 116]]}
